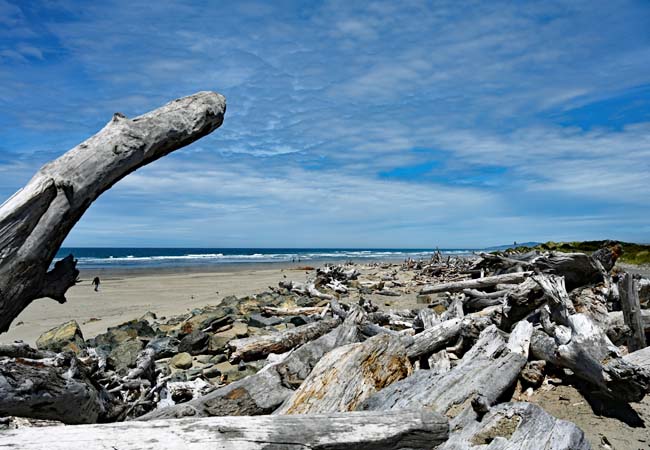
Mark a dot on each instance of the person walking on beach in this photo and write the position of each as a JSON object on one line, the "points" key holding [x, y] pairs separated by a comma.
{"points": [[96, 283]]}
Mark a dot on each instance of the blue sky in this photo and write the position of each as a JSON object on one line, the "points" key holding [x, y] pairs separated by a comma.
{"points": [[349, 124]]}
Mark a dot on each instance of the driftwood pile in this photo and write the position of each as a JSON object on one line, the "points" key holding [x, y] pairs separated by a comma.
{"points": [[315, 365], [305, 355]]}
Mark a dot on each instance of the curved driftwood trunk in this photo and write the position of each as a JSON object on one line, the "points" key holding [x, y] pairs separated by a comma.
{"points": [[35, 221], [417, 429]]}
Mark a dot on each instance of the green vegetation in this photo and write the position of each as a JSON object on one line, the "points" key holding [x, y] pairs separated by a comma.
{"points": [[632, 253]]}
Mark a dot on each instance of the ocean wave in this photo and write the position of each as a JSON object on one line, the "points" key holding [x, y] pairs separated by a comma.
{"points": [[139, 258]]}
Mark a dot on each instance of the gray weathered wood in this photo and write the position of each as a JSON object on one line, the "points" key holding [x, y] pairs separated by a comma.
{"points": [[489, 368], [36, 220], [258, 347], [348, 375], [435, 338], [417, 429], [629, 296], [265, 391], [616, 319], [639, 358], [23, 350], [514, 426], [53, 388], [576, 342], [477, 283], [589, 353]]}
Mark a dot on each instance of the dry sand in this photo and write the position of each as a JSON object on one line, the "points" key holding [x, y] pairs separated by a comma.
{"points": [[128, 295]]}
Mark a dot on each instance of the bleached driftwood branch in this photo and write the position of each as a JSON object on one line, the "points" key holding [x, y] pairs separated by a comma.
{"points": [[35, 221], [359, 430]]}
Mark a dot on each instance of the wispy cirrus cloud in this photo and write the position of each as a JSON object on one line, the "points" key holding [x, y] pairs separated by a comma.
{"points": [[387, 123]]}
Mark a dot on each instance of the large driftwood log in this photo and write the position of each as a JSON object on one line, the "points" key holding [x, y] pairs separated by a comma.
{"points": [[265, 391], [348, 375], [514, 426], [477, 283], [434, 338], [489, 369], [417, 429], [35, 221], [258, 347], [52, 388]]}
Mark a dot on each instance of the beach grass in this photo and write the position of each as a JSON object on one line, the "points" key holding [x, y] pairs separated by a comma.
{"points": [[632, 253]]}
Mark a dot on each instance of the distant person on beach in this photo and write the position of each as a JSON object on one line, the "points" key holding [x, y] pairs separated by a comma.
{"points": [[96, 283]]}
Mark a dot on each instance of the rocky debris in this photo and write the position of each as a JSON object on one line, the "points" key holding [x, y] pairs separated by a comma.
{"points": [[124, 355], [181, 361], [66, 336], [486, 325], [195, 343]]}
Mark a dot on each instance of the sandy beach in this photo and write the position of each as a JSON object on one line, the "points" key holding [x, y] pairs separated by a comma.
{"points": [[128, 294]]}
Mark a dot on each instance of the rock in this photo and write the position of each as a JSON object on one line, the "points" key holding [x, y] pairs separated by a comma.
{"points": [[193, 373], [110, 339], [66, 336], [216, 359], [128, 330], [249, 305], [300, 320], [124, 355], [136, 328], [258, 320], [164, 347], [231, 373], [149, 317], [195, 343], [219, 340], [533, 373], [422, 299], [211, 372], [207, 319], [181, 361], [203, 359]]}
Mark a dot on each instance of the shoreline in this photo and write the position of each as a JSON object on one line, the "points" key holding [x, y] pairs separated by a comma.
{"points": [[127, 294]]}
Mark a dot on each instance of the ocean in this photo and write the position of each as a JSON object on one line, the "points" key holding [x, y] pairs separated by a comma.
{"points": [[125, 258]]}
